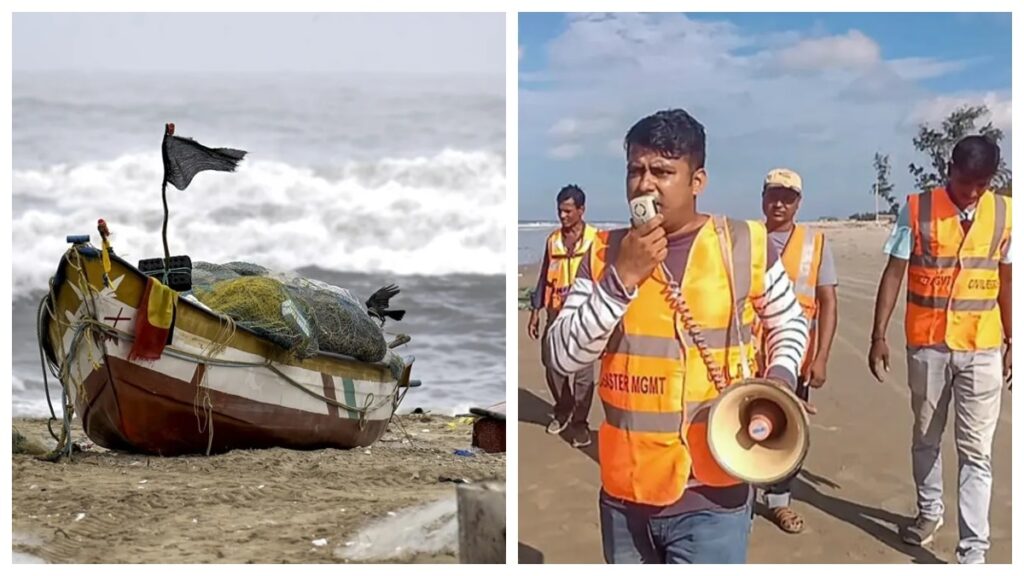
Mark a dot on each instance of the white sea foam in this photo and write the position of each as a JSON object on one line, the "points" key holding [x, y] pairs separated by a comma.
{"points": [[429, 215]]}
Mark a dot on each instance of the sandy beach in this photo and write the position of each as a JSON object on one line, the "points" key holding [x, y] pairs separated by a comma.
{"points": [[856, 488], [262, 506]]}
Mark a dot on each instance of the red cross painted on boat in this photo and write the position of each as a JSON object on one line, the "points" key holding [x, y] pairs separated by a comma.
{"points": [[118, 318]]}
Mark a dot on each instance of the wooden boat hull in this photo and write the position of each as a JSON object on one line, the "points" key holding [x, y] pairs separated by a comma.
{"points": [[248, 394]]}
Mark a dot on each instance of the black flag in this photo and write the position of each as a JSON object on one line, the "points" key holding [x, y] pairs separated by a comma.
{"points": [[184, 158]]}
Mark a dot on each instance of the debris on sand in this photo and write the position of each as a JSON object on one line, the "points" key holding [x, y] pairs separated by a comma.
{"points": [[22, 445], [431, 529]]}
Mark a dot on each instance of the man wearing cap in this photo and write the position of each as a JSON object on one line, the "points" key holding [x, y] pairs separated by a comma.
{"points": [[808, 262], [565, 250]]}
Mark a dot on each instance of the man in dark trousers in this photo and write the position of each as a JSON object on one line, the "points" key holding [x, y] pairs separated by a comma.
{"points": [[563, 253]]}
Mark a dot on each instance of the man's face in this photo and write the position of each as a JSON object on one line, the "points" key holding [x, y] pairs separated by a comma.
{"points": [[779, 205], [966, 191], [671, 179], [569, 214]]}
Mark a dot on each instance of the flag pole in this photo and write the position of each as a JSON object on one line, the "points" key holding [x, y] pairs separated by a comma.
{"points": [[168, 131], [167, 251], [183, 158]]}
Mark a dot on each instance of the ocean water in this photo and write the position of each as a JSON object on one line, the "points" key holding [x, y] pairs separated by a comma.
{"points": [[533, 235], [357, 181]]}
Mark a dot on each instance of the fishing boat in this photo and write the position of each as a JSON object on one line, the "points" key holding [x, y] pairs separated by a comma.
{"points": [[216, 386]]}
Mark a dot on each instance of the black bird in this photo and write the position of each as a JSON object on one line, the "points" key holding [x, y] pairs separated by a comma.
{"points": [[377, 304]]}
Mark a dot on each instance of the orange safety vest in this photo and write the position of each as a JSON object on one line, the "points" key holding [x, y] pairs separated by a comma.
{"points": [[563, 265], [654, 385], [802, 260], [953, 279]]}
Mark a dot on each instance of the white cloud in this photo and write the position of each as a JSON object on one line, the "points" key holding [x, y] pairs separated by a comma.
{"points": [[565, 151], [597, 43], [850, 51], [570, 127], [565, 127], [924, 68], [935, 110], [823, 104]]}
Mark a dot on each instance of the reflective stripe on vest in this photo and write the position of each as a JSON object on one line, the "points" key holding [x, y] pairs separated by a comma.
{"points": [[802, 260], [953, 278], [654, 386], [562, 266]]}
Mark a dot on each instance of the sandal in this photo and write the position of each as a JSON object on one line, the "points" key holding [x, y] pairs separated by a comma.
{"points": [[787, 519]]}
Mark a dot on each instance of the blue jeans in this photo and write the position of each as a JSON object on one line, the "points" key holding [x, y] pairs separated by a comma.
{"points": [[706, 537]]}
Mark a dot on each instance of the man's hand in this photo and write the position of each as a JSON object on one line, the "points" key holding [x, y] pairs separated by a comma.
{"points": [[533, 327], [642, 250], [1008, 366], [878, 359], [818, 372]]}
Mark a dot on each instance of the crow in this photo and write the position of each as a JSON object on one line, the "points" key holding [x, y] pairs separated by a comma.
{"points": [[377, 305]]}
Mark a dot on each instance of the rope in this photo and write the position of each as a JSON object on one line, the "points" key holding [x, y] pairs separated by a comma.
{"points": [[42, 364], [60, 371], [216, 346]]}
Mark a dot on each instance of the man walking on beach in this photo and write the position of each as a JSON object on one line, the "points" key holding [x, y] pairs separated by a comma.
{"points": [[664, 498], [563, 254], [808, 262], [953, 243]]}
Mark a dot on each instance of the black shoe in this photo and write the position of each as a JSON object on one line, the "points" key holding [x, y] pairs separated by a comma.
{"points": [[580, 436], [921, 531]]}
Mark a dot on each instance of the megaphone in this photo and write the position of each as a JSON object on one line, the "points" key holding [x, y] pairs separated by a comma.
{"points": [[758, 431]]}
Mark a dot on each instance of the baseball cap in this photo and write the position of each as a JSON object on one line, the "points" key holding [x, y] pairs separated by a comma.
{"points": [[784, 178]]}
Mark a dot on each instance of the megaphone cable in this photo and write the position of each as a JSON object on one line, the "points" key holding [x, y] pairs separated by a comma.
{"points": [[674, 296]]}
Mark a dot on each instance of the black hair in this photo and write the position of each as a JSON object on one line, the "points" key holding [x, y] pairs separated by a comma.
{"points": [[976, 158], [574, 193], [672, 133]]}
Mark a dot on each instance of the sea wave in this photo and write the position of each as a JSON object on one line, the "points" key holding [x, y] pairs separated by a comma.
{"points": [[436, 215]]}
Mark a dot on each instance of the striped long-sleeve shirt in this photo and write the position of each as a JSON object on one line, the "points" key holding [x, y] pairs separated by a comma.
{"points": [[592, 310]]}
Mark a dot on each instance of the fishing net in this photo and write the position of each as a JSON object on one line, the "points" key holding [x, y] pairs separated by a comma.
{"points": [[304, 316]]}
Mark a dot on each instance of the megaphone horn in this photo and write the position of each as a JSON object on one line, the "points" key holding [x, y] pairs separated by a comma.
{"points": [[758, 431]]}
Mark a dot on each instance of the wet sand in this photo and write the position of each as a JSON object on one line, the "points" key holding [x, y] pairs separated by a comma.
{"points": [[856, 487], [263, 506]]}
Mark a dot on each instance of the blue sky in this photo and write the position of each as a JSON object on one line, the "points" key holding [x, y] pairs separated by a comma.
{"points": [[819, 93]]}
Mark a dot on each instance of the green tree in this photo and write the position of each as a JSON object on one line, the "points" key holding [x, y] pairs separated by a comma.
{"points": [[937, 145], [883, 187]]}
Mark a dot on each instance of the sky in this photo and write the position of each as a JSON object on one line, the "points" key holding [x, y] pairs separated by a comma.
{"points": [[817, 93], [210, 42]]}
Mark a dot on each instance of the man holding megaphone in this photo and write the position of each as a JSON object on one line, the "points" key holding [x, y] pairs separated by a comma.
{"points": [[668, 307]]}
